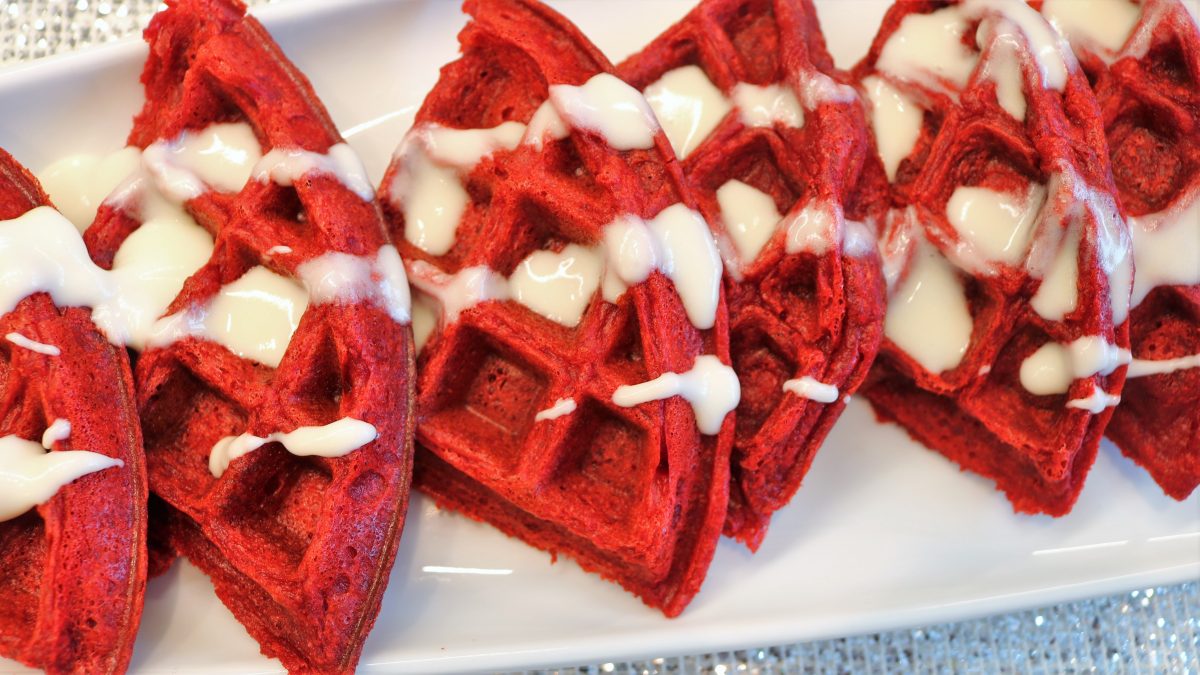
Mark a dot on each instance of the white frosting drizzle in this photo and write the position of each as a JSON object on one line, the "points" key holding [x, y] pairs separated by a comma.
{"points": [[1166, 246], [151, 265], [30, 476], [458, 292], [1004, 67], [817, 88], [814, 227], [1154, 13], [1055, 259], [428, 187], [558, 286], [545, 124], [279, 250], [1053, 367], [1100, 26], [858, 239], [254, 317], [1144, 368], [688, 105], [424, 320], [751, 218], [78, 184], [927, 314], [609, 107], [33, 346], [807, 387], [896, 120], [563, 406], [1096, 402], [341, 278], [928, 49], [711, 387], [286, 166], [465, 148], [678, 243], [336, 439], [994, 227], [219, 157], [433, 201], [767, 106], [59, 430], [631, 254], [42, 251]]}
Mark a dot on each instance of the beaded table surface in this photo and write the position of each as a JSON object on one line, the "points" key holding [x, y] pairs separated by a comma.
{"points": [[1143, 630]]}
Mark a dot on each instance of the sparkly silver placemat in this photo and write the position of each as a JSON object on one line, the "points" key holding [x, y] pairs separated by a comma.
{"points": [[1145, 631]]}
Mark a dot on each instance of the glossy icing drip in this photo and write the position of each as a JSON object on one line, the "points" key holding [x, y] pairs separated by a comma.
{"points": [[711, 387], [336, 439]]}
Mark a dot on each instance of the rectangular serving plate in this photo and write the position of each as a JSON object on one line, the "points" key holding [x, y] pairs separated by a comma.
{"points": [[884, 534]]}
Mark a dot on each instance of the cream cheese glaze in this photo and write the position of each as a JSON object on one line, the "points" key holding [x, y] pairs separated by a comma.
{"points": [[895, 120], [809, 388], [1166, 246], [341, 278], [79, 184], [994, 227], [561, 407], [220, 157], [560, 285], [929, 49], [710, 387], [30, 476], [1053, 367], [1101, 26], [253, 317], [751, 218], [336, 439], [32, 345], [285, 166], [1145, 368], [927, 313], [609, 107], [428, 188], [688, 105], [765, 106], [1095, 402], [41, 251]]}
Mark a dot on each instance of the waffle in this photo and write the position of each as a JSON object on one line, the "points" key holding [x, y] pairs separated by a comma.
{"points": [[1148, 87], [1007, 258], [805, 320], [298, 547], [518, 424], [72, 570]]}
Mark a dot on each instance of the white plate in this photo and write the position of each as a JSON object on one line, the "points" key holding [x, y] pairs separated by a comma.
{"points": [[884, 533]]}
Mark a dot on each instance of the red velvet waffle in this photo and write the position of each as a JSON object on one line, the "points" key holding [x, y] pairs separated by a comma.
{"points": [[1150, 99], [978, 411], [73, 570], [299, 548], [637, 494], [807, 313]]}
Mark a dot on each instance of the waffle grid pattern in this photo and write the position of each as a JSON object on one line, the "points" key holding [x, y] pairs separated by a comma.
{"points": [[1144, 631]]}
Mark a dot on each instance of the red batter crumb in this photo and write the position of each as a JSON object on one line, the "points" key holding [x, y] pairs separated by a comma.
{"points": [[299, 549], [1036, 449], [791, 315], [636, 495], [73, 570], [1151, 109]]}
